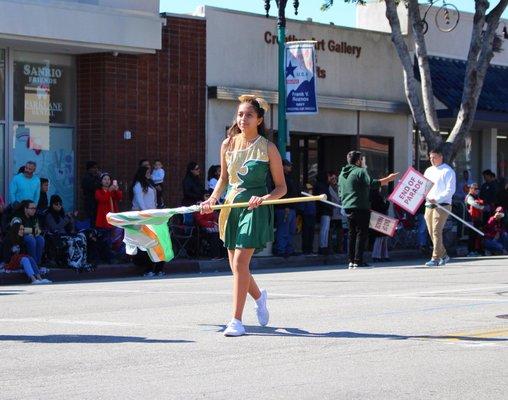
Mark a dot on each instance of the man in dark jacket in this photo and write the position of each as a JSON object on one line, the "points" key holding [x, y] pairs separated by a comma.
{"points": [[355, 185], [89, 184], [285, 215]]}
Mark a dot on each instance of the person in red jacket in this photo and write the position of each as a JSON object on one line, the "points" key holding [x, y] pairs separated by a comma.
{"points": [[107, 198], [209, 225], [496, 237]]}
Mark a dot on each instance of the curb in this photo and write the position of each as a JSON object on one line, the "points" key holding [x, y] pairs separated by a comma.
{"points": [[193, 266]]}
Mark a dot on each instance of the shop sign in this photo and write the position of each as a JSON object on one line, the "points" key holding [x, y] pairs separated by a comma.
{"points": [[40, 92], [300, 71], [382, 223], [410, 192]]}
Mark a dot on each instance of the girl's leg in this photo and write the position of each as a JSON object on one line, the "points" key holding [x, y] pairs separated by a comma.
{"points": [[241, 280], [27, 267], [253, 287]]}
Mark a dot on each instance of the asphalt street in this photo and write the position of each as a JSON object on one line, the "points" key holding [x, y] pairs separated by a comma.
{"points": [[396, 332]]}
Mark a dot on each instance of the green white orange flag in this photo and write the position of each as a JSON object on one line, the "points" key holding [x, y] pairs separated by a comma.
{"points": [[148, 230]]}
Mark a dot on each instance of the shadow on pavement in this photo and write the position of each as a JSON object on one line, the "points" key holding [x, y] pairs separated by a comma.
{"points": [[85, 339], [296, 332]]}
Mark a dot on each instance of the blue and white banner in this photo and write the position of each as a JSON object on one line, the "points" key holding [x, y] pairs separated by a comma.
{"points": [[300, 63]]}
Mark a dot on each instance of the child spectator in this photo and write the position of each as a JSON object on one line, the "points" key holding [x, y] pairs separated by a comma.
{"points": [[32, 232], [107, 198], [496, 237], [475, 208], [158, 180], [308, 210], [380, 248], [15, 254]]}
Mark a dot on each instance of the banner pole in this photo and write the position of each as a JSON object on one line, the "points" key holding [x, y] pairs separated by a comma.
{"points": [[459, 219]]}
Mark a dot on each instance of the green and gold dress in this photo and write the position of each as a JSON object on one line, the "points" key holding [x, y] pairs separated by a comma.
{"points": [[241, 228]]}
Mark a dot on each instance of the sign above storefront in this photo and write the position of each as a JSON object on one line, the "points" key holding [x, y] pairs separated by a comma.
{"points": [[331, 45]]}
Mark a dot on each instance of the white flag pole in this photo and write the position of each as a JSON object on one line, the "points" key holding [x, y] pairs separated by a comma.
{"points": [[324, 201], [459, 219]]}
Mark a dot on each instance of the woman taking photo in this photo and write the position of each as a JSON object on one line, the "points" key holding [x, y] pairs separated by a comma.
{"points": [[246, 159]]}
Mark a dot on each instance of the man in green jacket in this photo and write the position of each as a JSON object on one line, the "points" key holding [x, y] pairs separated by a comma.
{"points": [[355, 185]]}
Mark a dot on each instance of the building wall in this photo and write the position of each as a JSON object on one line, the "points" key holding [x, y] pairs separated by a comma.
{"points": [[101, 25], [160, 98]]}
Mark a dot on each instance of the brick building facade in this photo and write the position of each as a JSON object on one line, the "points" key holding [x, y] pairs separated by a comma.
{"points": [[160, 98]]}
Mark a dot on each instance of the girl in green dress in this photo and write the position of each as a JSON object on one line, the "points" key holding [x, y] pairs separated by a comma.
{"points": [[246, 159]]}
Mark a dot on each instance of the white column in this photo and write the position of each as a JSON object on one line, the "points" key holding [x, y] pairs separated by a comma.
{"points": [[489, 149]]}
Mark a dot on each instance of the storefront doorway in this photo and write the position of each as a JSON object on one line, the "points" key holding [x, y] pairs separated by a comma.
{"points": [[312, 154]]}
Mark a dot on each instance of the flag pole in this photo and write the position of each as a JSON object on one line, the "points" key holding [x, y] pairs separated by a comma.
{"points": [[321, 197], [323, 200]]}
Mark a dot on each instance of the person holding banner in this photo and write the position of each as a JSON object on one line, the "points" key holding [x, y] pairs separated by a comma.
{"points": [[246, 159], [355, 185], [441, 193]]}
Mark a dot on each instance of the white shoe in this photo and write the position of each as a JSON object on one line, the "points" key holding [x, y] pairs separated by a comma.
{"points": [[46, 281], [37, 282], [149, 274], [234, 328], [443, 261], [261, 310], [352, 265]]}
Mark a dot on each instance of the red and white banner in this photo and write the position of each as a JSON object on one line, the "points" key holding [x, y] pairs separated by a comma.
{"points": [[411, 190], [381, 223]]}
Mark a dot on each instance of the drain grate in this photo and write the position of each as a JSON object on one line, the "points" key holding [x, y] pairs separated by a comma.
{"points": [[505, 316]]}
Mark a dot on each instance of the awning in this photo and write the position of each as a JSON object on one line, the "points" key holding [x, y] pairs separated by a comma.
{"points": [[448, 81]]}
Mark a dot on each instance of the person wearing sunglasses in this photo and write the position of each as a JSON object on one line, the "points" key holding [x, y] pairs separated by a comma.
{"points": [[193, 188], [32, 233]]}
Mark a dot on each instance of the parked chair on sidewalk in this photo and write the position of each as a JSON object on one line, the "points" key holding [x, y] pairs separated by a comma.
{"points": [[183, 235]]}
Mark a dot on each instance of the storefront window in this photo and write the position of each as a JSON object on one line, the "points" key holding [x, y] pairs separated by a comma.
{"points": [[377, 155], [44, 112], [44, 88], [502, 157], [2, 160], [2, 85], [52, 149]]}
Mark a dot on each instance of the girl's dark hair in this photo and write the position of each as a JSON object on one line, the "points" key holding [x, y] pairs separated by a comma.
{"points": [[56, 214], [142, 179], [13, 233], [190, 167], [235, 129], [44, 180], [212, 172]]}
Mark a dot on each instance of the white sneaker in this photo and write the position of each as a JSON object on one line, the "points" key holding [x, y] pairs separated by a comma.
{"points": [[149, 274], [234, 328], [352, 265], [37, 282], [46, 281], [261, 310]]}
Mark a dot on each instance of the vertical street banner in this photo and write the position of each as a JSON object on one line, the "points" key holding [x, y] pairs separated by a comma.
{"points": [[411, 190], [381, 223], [300, 72]]}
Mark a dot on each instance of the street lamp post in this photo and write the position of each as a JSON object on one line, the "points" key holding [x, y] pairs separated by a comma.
{"points": [[281, 38]]}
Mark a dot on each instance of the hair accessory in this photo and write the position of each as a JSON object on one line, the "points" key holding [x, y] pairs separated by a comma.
{"points": [[249, 97]]}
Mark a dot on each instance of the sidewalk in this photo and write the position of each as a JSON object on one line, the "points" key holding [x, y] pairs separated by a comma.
{"points": [[119, 271]]}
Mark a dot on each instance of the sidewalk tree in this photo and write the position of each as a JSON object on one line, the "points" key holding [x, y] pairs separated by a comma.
{"points": [[484, 41]]}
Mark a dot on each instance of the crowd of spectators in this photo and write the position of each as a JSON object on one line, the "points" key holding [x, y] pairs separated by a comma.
{"points": [[37, 232]]}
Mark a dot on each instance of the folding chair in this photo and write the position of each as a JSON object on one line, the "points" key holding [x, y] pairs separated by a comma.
{"points": [[182, 234]]}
